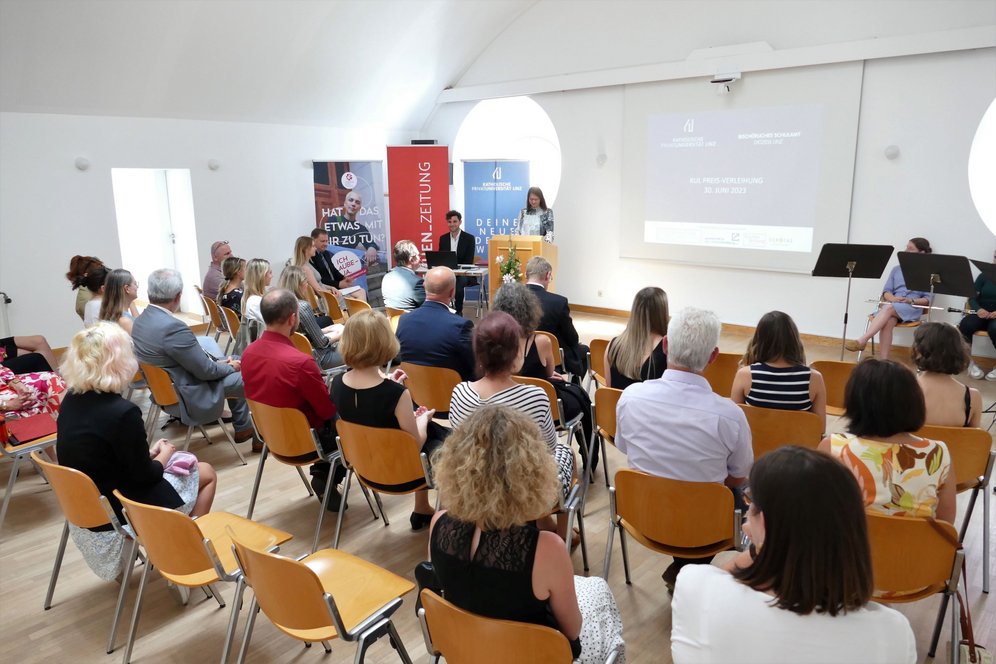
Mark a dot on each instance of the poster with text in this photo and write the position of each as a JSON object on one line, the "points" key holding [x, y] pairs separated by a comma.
{"points": [[349, 204], [419, 181], [493, 192]]}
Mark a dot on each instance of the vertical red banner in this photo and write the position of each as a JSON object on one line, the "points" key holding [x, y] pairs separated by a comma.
{"points": [[418, 180]]}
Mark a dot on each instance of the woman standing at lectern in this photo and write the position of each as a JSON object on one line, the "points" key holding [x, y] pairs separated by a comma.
{"points": [[536, 218]]}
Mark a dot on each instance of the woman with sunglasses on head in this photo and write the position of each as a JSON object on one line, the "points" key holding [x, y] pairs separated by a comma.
{"points": [[801, 592]]}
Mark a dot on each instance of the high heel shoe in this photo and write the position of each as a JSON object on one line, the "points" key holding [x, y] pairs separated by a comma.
{"points": [[854, 346], [419, 521]]}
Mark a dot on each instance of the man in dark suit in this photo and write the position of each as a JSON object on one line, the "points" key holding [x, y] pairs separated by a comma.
{"points": [[462, 244], [202, 382], [322, 261], [434, 336], [556, 315]]}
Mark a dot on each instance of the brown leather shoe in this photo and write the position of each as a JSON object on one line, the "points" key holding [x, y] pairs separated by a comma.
{"points": [[244, 435], [257, 446]]}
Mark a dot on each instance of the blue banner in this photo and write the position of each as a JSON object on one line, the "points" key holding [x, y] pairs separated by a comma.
{"points": [[493, 194]]}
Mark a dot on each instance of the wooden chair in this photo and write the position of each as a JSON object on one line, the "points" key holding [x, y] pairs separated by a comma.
{"points": [[914, 558], [465, 638], [395, 319], [900, 325], [673, 517], [431, 387], [721, 372], [558, 352], [17, 454], [233, 325], [164, 397], [322, 596], [355, 306], [835, 376], [289, 439], [383, 460], [312, 297], [332, 307], [303, 344], [606, 400], [214, 316], [771, 428], [393, 311], [193, 553], [84, 507], [596, 363]]}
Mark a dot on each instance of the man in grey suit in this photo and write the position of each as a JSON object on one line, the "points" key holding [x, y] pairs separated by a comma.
{"points": [[201, 382], [402, 288]]}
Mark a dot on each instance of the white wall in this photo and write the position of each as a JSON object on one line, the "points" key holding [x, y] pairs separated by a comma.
{"points": [[260, 199]]}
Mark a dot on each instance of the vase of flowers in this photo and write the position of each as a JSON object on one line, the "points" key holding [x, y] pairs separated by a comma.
{"points": [[510, 267]]}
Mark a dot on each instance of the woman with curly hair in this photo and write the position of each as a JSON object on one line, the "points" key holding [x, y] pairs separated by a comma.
{"points": [[496, 477], [79, 269]]}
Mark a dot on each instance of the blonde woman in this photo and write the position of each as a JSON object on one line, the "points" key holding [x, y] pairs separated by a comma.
{"points": [[230, 291], [323, 339], [102, 435], [365, 395], [638, 353], [257, 281], [496, 477], [118, 303]]}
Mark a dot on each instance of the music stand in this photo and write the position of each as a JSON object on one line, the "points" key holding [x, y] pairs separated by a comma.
{"points": [[988, 269], [937, 273], [854, 261]]}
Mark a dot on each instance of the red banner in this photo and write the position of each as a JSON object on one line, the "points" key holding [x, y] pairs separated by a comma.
{"points": [[418, 179]]}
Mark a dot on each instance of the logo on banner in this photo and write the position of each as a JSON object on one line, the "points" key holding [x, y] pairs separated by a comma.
{"points": [[348, 263], [348, 180], [496, 174]]}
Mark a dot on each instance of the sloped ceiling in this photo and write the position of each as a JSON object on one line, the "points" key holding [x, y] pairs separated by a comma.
{"points": [[349, 63]]}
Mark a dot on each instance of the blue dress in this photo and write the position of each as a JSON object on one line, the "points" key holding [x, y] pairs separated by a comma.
{"points": [[896, 284]]}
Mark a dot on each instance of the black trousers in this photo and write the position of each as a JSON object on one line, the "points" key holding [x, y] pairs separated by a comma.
{"points": [[971, 324]]}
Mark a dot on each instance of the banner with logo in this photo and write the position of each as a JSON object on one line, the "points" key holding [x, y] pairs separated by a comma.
{"points": [[349, 204], [419, 180], [493, 192]]}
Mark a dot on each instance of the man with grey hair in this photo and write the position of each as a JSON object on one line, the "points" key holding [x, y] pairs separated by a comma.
{"points": [[402, 288], [677, 427], [220, 250], [202, 382], [556, 315]]}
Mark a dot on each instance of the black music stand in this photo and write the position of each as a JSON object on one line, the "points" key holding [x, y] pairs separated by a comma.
{"points": [[988, 269], [854, 261], [937, 273]]}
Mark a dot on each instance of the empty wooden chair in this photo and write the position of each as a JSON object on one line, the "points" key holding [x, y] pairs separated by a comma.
{"points": [[721, 371], [214, 316], [606, 400], [332, 307], [835, 376], [355, 306], [771, 428], [673, 517]]}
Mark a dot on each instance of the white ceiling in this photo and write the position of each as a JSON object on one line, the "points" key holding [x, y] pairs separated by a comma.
{"points": [[350, 63]]}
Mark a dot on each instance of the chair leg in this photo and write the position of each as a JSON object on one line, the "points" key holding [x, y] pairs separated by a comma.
{"points": [[150, 423], [366, 494], [955, 638], [380, 507], [216, 594], [307, 484], [137, 612], [322, 506], [10, 489], [625, 555], [259, 476], [127, 568], [231, 441], [250, 623], [398, 644], [584, 542], [938, 624], [608, 550], [240, 586], [186, 441], [342, 506], [605, 460], [58, 565], [985, 538]]}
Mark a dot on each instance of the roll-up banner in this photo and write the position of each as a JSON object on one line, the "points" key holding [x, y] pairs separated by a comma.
{"points": [[494, 192], [418, 178]]}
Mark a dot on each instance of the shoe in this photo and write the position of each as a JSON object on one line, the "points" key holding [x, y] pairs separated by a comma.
{"points": [[575, 539], [975, 371], [419, 521], [244, 435], [854, 346], [670, 576], [257, 446], [991, 375]]}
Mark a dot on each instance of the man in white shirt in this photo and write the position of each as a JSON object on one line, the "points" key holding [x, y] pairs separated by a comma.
{"points": [[677, 427]]}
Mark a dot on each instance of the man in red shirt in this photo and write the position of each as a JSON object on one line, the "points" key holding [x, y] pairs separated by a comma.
{"points": [[274, 372]]}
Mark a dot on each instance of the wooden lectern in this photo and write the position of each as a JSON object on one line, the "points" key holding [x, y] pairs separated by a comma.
{"points": [[526, 246]]}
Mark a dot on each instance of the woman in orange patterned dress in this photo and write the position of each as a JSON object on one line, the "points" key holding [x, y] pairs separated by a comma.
{"points": [[899, 473], [22, 395]]}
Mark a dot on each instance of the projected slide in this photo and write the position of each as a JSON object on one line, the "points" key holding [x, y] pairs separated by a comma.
{"points": [[740, 179]]}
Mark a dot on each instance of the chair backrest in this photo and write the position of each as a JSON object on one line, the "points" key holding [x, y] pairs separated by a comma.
{"points": [[393, 311], [551, 394], [606, 400], [332, 307], [971, 454], [160, 385], [395, 319], [77, 494], [674, 512], [285, 431], [171, 539], [386, 457], [312, 298], [355, 306], [771, 428], [835, 375], [431, 387], [558, 354], [465, 638], [598, 348], [302, 343], [231, 321], [213, 311], [721, 372], [912, 556]]}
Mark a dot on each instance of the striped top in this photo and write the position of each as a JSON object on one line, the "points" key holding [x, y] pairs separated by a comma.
{"points": [[527, 399], [785, 388]]}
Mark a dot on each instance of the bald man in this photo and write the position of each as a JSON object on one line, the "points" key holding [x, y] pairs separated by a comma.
{"points": [[433, 335]]}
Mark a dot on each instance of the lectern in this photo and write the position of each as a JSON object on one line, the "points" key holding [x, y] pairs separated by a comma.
{"points": [[526, 246]]}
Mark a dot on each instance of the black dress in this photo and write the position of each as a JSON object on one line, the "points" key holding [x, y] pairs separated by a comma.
{"points": [[497, 582], [233, 300], [652, 369]]}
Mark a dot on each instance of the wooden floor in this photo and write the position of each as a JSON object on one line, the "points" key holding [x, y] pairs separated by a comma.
{"points": [[76, 626]]}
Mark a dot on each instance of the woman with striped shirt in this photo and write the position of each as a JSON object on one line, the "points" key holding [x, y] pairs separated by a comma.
{"points": [[773, 371]]}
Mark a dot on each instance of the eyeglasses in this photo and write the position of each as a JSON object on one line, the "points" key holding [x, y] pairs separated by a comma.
{"points": [[749, 499]]}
